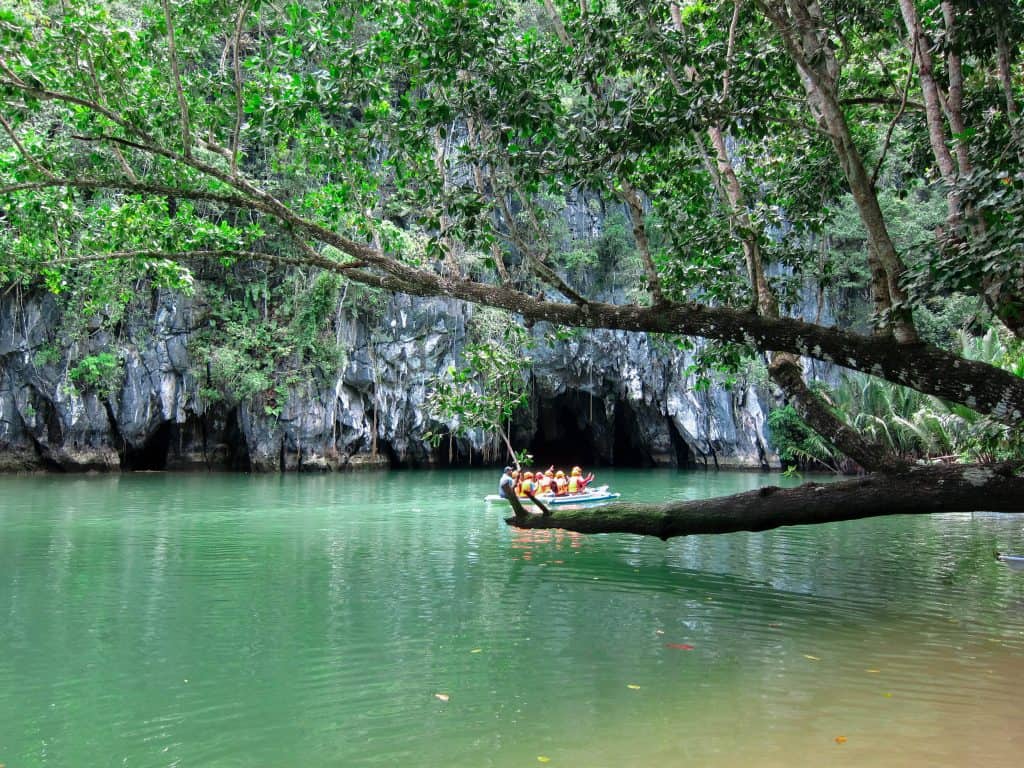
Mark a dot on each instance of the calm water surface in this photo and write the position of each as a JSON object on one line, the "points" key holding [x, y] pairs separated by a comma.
{"points": [[186, 620]]}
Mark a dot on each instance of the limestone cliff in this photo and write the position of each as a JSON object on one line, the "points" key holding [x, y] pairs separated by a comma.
{"points": [[596, 398]]}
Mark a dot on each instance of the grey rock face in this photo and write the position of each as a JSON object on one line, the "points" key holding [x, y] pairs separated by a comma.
{"points": [[607, 397], [629, 403]]}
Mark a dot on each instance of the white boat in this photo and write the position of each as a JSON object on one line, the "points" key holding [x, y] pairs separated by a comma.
{"points": [[598, 495], [1014, 562]]}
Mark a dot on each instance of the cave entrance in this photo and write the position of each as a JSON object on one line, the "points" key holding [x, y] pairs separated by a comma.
{"points": [[152, 454], [628, 448], [238, 458], [684, 456], [564, 435]]}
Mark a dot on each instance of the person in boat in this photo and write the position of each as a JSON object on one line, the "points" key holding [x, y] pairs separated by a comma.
{"points": [[527, 487], [561, 485], [507, 484], [577, 482], [545, 481]]}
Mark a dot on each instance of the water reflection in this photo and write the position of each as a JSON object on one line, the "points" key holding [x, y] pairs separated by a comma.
{"points": [[225, 620]]}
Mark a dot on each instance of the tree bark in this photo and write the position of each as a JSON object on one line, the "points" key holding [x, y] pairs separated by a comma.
{"points": [[922, 490]]}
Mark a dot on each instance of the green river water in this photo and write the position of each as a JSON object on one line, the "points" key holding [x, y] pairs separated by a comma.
{"points": [[229, 620]]}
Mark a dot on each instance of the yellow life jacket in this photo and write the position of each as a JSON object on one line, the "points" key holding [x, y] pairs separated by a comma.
{"points": [[526, 488], [574, 484]]}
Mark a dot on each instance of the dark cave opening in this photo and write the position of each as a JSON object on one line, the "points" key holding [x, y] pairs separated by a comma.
{"points": [[564, 434], [237, 448], [684, 456], [152, 454], [628, 447]]}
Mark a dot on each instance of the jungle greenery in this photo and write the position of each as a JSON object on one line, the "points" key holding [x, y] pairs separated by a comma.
{"points": [[737, 151]]}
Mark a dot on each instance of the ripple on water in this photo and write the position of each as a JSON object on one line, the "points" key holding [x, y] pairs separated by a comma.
{"points": [[223, 620]]}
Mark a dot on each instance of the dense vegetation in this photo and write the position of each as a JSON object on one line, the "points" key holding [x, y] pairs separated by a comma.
{"points": [[752, 148]]}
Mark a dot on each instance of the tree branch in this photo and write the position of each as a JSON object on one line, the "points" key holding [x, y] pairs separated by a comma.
{"points": [[921, 490], [892, 125], [228, 253], [920, 366], [157, 190], [540, 267], [239, 113], [186, 133], [903, 102], [29, 157]]}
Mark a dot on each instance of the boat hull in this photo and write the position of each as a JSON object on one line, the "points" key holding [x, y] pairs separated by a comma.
{"points": [[597, 496]]}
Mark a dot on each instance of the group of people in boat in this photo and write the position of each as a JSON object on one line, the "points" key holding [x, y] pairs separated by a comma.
{"points": [[554, 482]]}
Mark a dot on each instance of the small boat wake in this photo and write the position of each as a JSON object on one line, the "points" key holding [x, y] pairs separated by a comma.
{"points": [[1013, 562]]}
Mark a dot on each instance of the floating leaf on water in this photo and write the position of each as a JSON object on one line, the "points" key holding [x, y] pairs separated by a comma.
{"points": [[633, 686], [811, 658], [543, 759], [888, 695], [873, 671], [477, 650], [659, 631], [840, 739], [442, 696], [679, 646]]}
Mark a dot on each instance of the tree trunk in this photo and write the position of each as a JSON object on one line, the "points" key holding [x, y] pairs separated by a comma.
{"points": [[635, 206], [803, 31], [955, 100], [785, 371], [784, 368], [764, 298], [1006, 79], [933, 106], [922, 490]]}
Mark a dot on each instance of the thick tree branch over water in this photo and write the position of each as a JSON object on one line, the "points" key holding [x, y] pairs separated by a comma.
{"points": [[919, 366], [919, 491]]}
